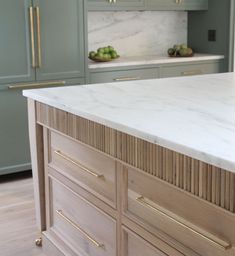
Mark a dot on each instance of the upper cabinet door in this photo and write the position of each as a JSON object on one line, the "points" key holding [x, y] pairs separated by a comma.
{"points": [[15, 42], [59, 39], [116, 5], [180, 5]]}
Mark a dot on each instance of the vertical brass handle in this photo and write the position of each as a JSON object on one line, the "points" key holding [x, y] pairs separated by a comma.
{"points": [[32, 38], [84, 233], [39, 56]]}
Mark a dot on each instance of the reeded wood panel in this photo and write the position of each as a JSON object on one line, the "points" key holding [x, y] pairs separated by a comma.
{"points": [[211, 183]]}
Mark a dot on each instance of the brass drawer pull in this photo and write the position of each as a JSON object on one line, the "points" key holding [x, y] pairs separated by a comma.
{"points": [[57, 152], [39, 56], [214, 240], [32, 39], [84, 233], [126, 78], [36, 85], [191, 73]]}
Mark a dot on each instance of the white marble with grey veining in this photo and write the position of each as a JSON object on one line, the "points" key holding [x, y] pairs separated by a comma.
{"points": [[191, 115], [137, 33], [151, 60]]}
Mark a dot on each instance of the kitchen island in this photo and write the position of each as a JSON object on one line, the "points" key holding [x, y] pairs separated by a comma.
{"points": [[136, 168]]}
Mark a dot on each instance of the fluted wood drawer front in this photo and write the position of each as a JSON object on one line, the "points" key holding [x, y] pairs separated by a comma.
{"points": [[134, 245], [195, 223], [89, 168], [83, 227]]}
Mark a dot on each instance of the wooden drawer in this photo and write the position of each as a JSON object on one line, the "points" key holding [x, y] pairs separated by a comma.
{"points": [[157, 205], [83, 227], [88, 168], [191, 69], [134, 245], [123, 75]]}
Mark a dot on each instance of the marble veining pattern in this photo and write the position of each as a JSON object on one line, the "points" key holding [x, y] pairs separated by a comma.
{"points": [[191, 115], [137, 33]]}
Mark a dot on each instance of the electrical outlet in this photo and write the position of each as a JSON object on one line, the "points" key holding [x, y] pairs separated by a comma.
{"points": [[211, 35]]}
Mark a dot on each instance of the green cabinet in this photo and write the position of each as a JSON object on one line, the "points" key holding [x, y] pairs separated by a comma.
{"points": [[131, 73], [115, 5], [60, 39], [180, 5], [42, 44], [191, 69], [151, 5], [15, 53], [41, 40], [126, 74], [14, 147]]}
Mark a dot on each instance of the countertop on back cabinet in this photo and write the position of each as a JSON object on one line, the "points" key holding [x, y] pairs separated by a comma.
{"points": [[152, 60], [194, 116]]}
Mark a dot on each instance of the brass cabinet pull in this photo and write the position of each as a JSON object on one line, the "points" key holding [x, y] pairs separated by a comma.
{"points": [[214, 240], [126, 78], [32, 38], [57, 152], [36, 85], [191, 72], [84, 233], [39, 56]]}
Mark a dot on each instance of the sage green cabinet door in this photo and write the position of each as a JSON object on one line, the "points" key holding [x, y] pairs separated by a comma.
{"points": [[14, 142], [62, 39], [191, 69], [123, 75], [15, 50], [115, 5], [180, 5]]}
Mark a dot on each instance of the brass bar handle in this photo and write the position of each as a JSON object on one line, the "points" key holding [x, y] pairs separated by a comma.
{"points": [[84, 233], [126, 79], [36, 85], [32, 38], [214, 240], [69, 159], [178, 1], [191, 73], [39, 56]]}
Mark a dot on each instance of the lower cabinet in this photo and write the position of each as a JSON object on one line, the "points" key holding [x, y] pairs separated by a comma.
{"points": [[135, 245], [191, 69], [160, 71], [15, 154], [123, 75], [84, 228], [99, 206]]}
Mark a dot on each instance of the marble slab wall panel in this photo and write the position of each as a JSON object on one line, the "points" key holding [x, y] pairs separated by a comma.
{"points": [[137, 33]]}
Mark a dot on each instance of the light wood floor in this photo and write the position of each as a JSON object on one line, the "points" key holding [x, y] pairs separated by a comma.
{"points": [[17, 218]]}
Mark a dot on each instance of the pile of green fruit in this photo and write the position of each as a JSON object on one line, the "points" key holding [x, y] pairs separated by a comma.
{"points": [[180, 50], [104, 54]]}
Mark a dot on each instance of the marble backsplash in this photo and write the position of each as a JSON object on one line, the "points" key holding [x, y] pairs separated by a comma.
{"points": [[137, 33]]}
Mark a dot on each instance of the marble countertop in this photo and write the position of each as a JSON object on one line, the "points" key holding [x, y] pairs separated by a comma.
{"points": [[191, 115], [151, 60]]}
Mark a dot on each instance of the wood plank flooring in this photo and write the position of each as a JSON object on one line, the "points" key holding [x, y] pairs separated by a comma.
{"points": [[17, 217]]}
